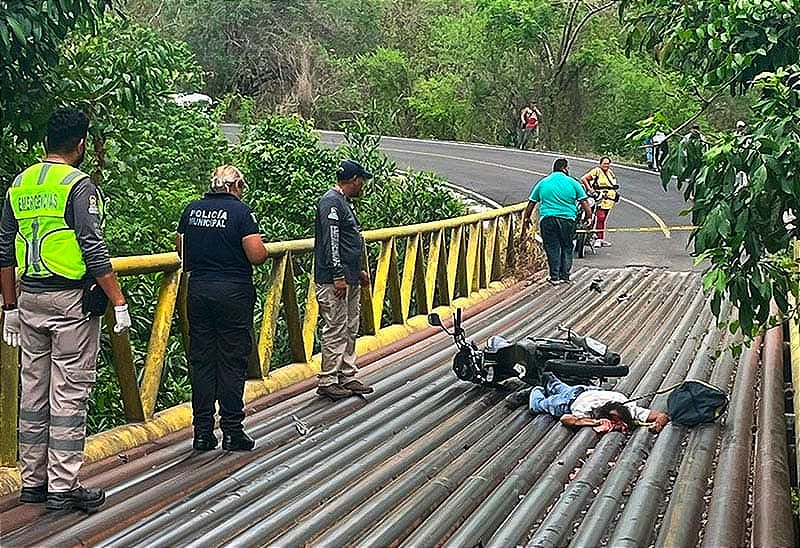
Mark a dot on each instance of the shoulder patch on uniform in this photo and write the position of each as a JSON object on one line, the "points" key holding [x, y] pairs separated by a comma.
{"points": [[93, 209], [334, 214]]}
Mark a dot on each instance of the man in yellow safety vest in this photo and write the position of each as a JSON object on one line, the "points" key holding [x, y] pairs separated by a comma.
{"points": [[50, 232]]}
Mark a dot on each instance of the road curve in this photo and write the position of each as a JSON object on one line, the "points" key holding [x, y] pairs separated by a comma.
{"points": [[506, 175]]}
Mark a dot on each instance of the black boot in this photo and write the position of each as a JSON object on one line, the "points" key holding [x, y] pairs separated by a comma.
{"points": [[204, 442], [334, 391], [518, 398], [33, 494], [237, 441], [80, 499]]}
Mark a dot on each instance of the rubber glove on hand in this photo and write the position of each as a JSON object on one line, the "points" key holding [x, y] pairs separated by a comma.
{"points": [[11, 327], [123, 319]]}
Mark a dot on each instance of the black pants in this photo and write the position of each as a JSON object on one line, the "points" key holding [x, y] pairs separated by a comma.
{"points": [[661, 152], [558, 235], [220, 342]]}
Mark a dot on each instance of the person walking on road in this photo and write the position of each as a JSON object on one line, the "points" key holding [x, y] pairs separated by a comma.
{"points": [[338, 255], [660, 149], [602, 182], [218, 242], [529, 119], [51, 232], [557, 195]]}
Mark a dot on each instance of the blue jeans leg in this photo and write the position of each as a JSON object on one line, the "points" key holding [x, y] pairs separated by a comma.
{"points": [[566, 261], [551, 240], [566, 230], [556, 386], [554, 405]]}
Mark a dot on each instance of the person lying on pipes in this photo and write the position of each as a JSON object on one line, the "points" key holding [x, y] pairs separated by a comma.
{"points": [[586, 405]]}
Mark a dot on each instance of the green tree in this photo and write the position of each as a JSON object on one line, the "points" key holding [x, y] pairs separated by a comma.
{"points": [[441, 105], [546, 35], [617, 91], [31, 33], [117, 72], [743, 188]]}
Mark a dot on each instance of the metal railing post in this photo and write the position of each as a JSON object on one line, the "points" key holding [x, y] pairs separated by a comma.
{"points": [[9, 381], [794, 353]]}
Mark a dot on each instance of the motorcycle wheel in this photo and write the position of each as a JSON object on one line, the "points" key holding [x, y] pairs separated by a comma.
{"points": [[580, 245], [582, 369]]}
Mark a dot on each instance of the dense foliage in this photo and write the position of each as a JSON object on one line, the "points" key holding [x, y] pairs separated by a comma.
{"points": [[151, 157], [30, 35], [456, 69], [743, 191]]}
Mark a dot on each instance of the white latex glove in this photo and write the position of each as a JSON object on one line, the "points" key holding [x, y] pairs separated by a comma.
{"points": [[11, 327], [123, 319]]}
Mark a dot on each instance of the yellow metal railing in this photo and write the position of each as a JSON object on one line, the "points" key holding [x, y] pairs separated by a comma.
{"points": [[440, 261], [794, 353]]}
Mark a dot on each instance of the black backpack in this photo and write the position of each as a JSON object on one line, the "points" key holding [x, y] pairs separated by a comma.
{"points": [[694, 402]]}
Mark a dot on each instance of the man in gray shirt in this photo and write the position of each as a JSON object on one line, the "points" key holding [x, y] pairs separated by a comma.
{"points": [[50, 231], [338, 255]]}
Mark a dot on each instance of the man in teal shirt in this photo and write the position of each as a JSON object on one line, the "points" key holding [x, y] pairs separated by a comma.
{"points": [[557, 195]]}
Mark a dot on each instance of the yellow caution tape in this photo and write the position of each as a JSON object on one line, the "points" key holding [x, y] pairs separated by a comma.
{"points": [[684, 228]]}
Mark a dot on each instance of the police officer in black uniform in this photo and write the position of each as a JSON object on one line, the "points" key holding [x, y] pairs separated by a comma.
{"points": [[219, 241]]}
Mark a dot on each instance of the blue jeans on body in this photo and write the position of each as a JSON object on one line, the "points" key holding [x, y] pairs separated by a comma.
{"points": [[556, 397], [558, 235]]}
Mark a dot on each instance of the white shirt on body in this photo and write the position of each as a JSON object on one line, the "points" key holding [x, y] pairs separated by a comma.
{"points": [[588, 401]]}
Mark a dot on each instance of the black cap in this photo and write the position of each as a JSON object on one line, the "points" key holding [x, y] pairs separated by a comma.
{"points": [[349, 169]]}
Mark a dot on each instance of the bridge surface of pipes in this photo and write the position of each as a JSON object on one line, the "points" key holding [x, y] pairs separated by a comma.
{"points": [[428, 460]]}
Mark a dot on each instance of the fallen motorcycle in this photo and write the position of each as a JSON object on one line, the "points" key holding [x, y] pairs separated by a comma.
{"points": [[575, 359]]}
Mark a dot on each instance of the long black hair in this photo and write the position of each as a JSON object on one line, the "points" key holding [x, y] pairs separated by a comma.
{"points": [[604, 412]]}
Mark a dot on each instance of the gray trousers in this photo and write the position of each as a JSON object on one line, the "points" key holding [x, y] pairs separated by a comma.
{"points": [[340, 321], [59, 350]]}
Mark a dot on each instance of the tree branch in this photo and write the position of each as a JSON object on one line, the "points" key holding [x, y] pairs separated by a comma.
{"points": [[549, 53], [574, 36], [566, 32], [704, 106]]}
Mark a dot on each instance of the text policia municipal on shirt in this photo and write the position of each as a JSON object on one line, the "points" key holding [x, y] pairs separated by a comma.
{"points": [[217, 218]]}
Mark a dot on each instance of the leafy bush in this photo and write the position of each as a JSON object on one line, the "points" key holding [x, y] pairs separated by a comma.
{"points": [[158, 161], [440, 106], [287, 171]]}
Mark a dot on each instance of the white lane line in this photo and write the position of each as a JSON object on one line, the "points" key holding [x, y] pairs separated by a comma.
{"points": [[658, 220], [485, 200], [498, 148]]}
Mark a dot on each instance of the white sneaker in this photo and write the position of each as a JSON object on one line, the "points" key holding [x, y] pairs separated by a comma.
{"points": [[605, 243], [598, 243]]}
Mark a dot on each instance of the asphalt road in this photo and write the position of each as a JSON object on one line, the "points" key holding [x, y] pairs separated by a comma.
{"points": [[506, 175]]}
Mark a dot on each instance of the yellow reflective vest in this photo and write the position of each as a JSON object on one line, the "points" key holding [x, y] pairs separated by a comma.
{"points": [[604, 183], [45, 244]]}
